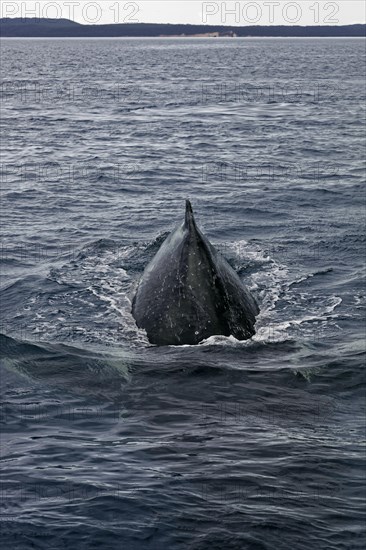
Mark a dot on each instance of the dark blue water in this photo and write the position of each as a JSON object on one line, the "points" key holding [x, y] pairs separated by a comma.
{"points": [[108, 442]]}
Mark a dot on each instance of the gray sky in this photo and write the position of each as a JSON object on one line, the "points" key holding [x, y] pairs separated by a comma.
{"points": [[260, 12]]}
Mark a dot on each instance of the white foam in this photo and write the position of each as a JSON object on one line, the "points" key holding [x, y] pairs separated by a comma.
{"points": [[96, 303]]}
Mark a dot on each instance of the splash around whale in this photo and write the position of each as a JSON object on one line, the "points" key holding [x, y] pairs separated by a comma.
{"points": [[189, 292]]}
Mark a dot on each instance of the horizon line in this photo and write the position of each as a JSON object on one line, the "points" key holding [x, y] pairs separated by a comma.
{"points": [[176, 24]]}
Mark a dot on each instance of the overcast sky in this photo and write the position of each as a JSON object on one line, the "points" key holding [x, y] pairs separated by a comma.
{"points": [[261, 12]]}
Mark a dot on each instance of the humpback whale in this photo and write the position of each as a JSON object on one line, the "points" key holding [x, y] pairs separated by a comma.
{"points": [[189, 292]]}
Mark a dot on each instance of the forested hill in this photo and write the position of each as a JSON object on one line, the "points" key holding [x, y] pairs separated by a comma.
{"points": [[29, 27]]}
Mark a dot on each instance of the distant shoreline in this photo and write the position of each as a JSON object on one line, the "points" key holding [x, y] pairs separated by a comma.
{"points": [[64, 28], [179, 38]]}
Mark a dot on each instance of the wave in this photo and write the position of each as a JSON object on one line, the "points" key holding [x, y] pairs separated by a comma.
{"points": [[77, 369]]}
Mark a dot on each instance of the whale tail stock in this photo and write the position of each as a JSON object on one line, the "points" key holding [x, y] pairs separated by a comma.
{"points": [[189, 292]]}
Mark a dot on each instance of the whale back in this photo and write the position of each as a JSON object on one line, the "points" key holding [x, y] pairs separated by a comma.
{"points": [[189, 292]]}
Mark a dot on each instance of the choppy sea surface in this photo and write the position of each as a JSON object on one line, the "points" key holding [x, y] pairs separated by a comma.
{"points": [[109, 442]]}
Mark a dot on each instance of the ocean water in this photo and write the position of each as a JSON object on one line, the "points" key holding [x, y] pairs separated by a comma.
{"points": [[109, 442]]}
